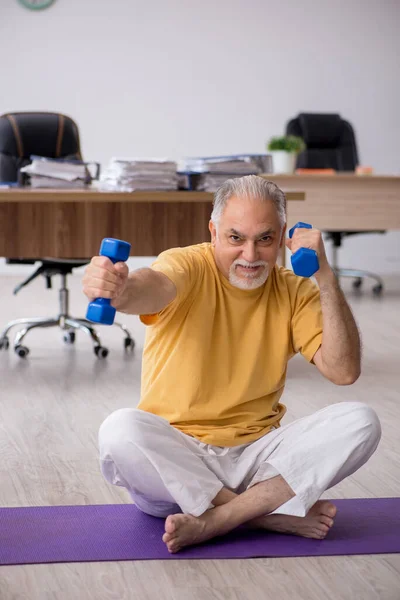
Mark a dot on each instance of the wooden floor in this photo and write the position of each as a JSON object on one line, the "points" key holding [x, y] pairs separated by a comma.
{"points": [[52, 404]]}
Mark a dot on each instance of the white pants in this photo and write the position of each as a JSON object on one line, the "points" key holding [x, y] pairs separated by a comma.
{"points": [[167, 471]]}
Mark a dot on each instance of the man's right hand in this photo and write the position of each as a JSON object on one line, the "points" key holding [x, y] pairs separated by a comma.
{"points": [[104, 279]]}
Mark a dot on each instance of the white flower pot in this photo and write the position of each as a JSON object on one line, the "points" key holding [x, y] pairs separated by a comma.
{"points": [[283, 162]]}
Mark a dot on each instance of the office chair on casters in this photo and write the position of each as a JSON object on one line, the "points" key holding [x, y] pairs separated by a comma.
{"points": [[50, 135], [331, 144]]}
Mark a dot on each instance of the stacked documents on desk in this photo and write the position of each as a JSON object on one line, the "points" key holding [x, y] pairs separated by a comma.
{"points": [[221, 169], [131, 174], [55, 173], [215, 170]]}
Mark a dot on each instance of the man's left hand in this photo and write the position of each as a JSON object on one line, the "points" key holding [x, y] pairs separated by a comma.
{"points": [[309, 238]]}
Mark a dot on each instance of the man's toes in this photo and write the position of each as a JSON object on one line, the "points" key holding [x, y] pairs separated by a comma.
{"points": [[325, 507], [173, 547], [317, 533], [330, 510], [171, 542], [326, 520], [170, 524], [322, 530]]}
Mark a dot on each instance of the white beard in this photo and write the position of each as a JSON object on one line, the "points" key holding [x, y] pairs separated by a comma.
{"points": [[250, 282]]}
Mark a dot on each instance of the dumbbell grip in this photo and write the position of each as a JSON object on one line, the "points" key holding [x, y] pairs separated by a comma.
{"points": [[104, 301], [305, 260], [100, 309]]}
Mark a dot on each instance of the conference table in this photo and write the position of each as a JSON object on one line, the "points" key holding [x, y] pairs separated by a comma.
{"points": [[58, 223]]}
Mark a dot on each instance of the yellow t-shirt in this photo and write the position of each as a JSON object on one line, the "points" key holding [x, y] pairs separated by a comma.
{"points": [[215, 359]]}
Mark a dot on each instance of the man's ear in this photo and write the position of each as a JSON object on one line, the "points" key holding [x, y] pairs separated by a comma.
{"points": [[213, 231], [283, 235]]}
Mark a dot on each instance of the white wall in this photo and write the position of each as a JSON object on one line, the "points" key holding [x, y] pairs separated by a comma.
{"points": [[179, 78]]}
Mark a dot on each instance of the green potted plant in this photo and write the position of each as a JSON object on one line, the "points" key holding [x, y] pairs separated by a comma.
{"points": [[284, 151]]}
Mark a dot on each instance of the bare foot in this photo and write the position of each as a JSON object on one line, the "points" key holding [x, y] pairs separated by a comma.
{"points": [[186, 530], [315, 524]]}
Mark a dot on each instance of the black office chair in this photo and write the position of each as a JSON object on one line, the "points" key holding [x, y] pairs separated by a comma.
{"points": [[49, 135], [331, 144]]}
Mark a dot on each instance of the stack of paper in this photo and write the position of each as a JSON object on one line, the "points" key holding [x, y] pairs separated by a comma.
{"points": [[130, 174], [221, 169], [215, 170], [55, 173]]}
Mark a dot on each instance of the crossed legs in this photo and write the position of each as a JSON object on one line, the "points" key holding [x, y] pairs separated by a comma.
{"points": [[274, 483]]}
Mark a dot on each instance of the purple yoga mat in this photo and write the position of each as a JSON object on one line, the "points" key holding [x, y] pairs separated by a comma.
{"points": [[48, 534]]}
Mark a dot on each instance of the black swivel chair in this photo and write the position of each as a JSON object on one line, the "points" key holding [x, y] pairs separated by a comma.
{"points": [[331, 144], [49, 135]]}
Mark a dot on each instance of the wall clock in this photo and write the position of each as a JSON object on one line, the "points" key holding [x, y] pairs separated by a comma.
{"points": [[36, 4]]}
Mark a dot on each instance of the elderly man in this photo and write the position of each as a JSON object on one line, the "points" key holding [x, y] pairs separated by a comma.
{"points": [[205, 447]]}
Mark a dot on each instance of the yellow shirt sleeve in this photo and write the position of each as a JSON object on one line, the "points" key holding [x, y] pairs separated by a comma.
{"points": [[306, 319], [183, 266]]}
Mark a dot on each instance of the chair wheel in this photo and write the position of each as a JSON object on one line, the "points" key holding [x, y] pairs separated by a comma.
{"points": [[4, 343], [22, 351], [377, 289], [129, 343], [357, 283], [100, 351], [69, 337]]}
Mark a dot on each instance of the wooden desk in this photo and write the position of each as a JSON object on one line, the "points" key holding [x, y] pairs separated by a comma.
{"points": [[344, 202], [72, 223]]}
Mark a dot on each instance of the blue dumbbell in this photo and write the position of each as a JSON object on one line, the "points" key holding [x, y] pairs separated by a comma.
{"points": [[100, 309], [304, 260]]}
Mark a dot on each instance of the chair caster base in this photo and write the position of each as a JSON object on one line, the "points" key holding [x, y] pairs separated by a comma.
{"points": [[4, 343], [100, 351], [21, 351]]}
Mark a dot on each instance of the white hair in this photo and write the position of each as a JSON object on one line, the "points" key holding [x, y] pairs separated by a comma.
{"points": [[250, 186]]}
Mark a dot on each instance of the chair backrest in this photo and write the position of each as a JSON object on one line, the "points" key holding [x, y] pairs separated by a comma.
{"points": [[40, 133], [330, 141]]}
